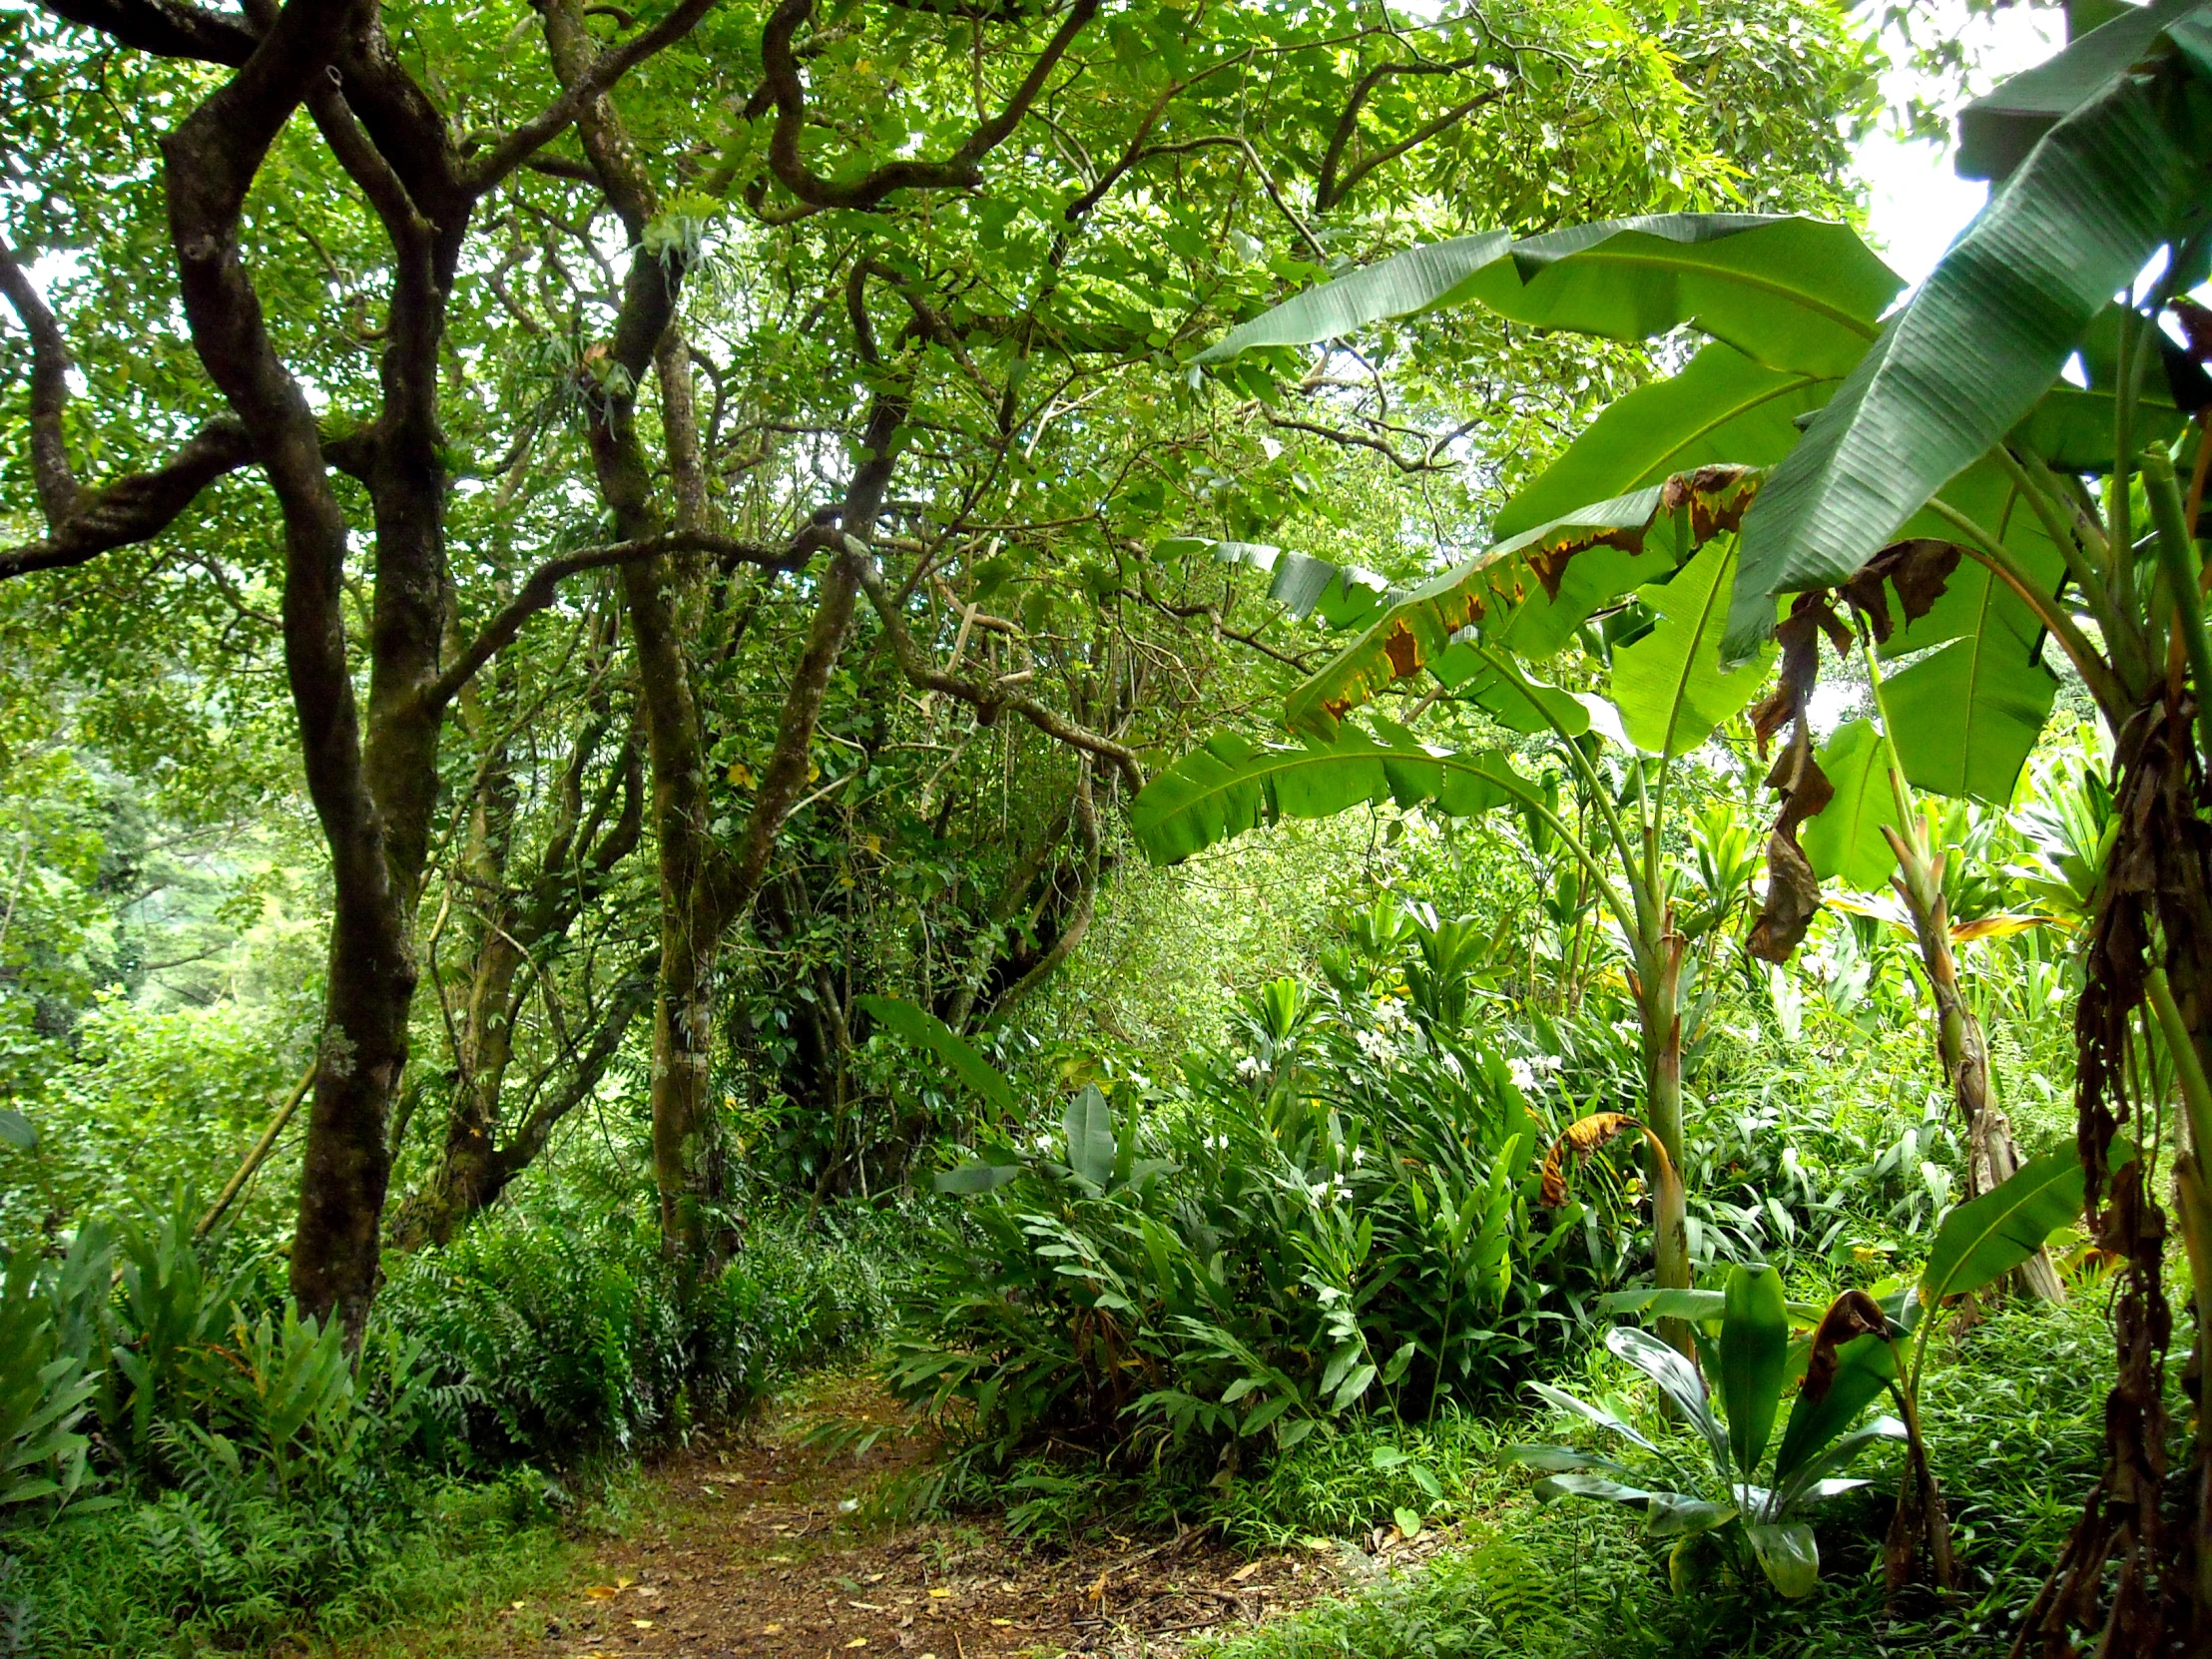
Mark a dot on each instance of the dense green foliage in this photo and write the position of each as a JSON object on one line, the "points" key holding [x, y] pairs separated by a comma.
{"points": [[1117, 710]]}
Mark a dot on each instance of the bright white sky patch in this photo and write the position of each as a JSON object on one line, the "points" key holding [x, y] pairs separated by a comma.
{"points": [[1916, 204]]}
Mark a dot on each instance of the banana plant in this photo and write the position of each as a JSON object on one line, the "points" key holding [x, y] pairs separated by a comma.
{"points": [[1943, 440], [1726, 1497], [1875, 830], [1669, 696]]}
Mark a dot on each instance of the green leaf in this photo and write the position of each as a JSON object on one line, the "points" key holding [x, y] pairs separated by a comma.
{"points": [[1590, 1485], [1668, 685], [1982, 1240], [1413, 281], [1518, 705], [1695, 1306], [1419, 627], [1976, 348], [1594, 1414], [1754, 1351], [1676, 1515], [924, 1029], [1089, 1123], [1723, 409], [1231, 786], [1678, 1378], [1846, 838], [1967, 716], [1793, 293], [1409, 1522], [17, 1130], [1864, 1365], [976, 1176], [1558, 1459], [1789, 1556], [1997, 130]]}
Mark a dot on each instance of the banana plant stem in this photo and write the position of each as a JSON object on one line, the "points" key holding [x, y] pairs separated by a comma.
{"points": [[2196, 1091], [2103, 684], [2177, 552]]}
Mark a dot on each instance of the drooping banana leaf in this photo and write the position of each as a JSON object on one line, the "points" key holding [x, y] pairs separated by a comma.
{"points": [[1723, 409], [1797, 294], [1414, 281], [1983, 340], [1415, 631], [1519, 704], [1845, 839], [1982, 1240], [1668, 685], [1230, 786]]}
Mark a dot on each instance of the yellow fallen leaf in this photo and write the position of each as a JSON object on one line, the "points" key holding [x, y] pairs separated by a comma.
{"points": [[1006, 1622], [858, 1641], [940, 1594], [643, 1624], [602, 1592], [771, 1630]]}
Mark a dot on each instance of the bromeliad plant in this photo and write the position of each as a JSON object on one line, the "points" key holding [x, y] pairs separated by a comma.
{"points": [[1727, 1498]]}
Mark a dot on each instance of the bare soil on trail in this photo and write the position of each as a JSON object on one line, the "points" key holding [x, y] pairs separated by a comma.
{"points": [[765, 1545]]}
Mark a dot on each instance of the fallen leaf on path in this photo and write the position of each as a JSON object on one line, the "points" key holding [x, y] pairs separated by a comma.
{"points": [[940, 1594], [858, 1641], [1246, 1571]]}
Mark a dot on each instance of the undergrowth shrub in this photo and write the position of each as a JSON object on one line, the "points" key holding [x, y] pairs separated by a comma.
{"points": [[572, 1333], [1343, 1219]]}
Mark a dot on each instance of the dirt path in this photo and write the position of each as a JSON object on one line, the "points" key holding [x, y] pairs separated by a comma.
{"points": [[767, 1546]]}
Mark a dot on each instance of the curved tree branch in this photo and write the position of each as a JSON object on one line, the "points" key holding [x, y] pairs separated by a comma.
{"points": [[779, 66], [608, 68], [544, 583], [991, 697]]}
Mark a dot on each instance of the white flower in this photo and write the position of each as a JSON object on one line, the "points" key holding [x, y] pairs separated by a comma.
{"points": [[1546, 1062], [1522, 1074], [1359, 1155], [1217, 1143], [1376, 1046], [1390, 1015], [1250, 1066], [1451, 1063]]}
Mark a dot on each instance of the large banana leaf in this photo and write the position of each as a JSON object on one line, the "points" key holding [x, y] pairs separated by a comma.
{"points": [[1986, 1238], [1979, 345], [1723, 409], [1415, 281], [1415, 632], [1230, 786], [1668, 685], [1844, 839], [1795, 295]]}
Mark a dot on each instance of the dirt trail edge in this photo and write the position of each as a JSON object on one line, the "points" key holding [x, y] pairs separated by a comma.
{"points": [[769, 1544]]}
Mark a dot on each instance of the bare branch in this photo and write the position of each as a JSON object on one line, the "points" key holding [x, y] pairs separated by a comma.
{"points": [[166, 28], [544, 584], [780, 67]]}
